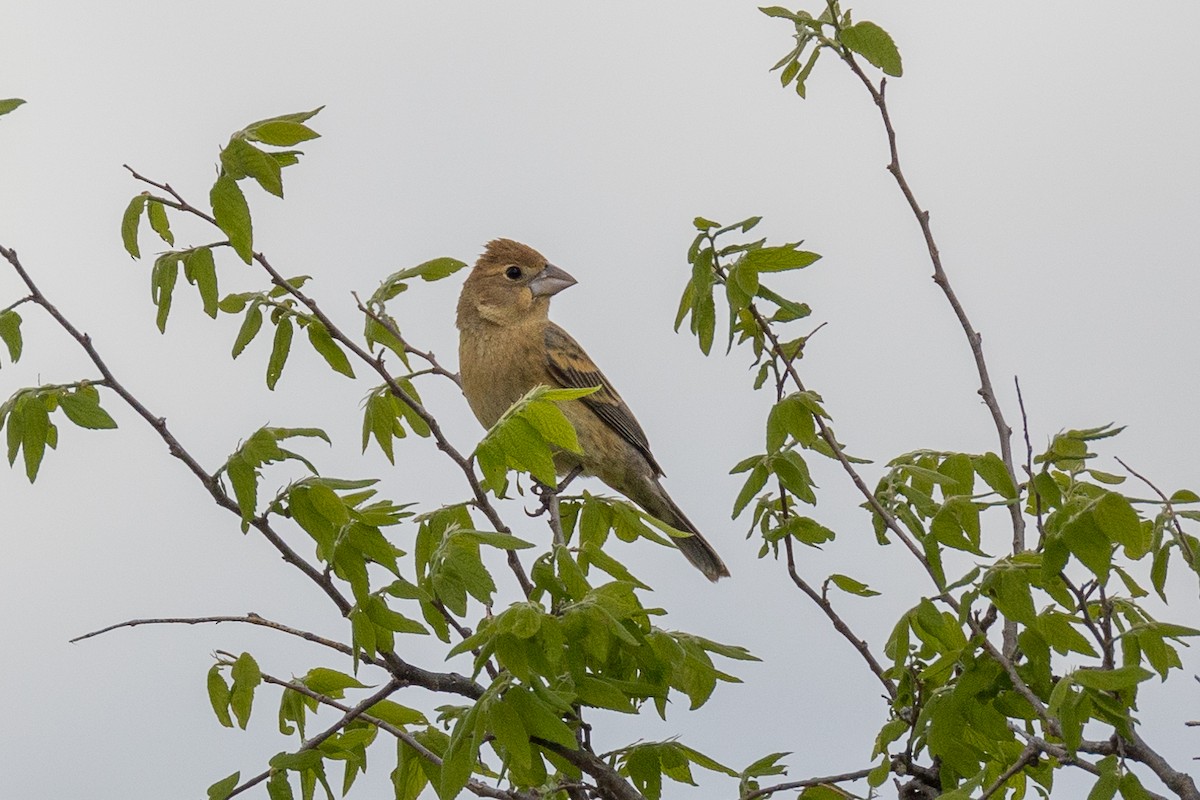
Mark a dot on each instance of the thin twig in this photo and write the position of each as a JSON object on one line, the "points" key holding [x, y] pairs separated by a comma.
{"points": [[443, 443], [476, 787], [1028, 756], [1176, 528], [827, 434], [389, 324], [376, 364], [1037, 498], [22, 301], [974, 339], [845, 777], [174, 447], [838, 623], [349, 716], [611, 784]]}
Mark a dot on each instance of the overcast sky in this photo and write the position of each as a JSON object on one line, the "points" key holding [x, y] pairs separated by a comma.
{"points": [[1053, 143]]}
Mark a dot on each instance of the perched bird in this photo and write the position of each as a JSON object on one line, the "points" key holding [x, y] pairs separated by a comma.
{"points": [[507, 345]]}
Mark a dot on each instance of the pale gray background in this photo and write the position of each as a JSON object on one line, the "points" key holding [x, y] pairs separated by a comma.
{"points": [[1054, 143]]}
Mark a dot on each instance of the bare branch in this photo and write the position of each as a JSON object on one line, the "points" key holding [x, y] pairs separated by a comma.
{"points": [[974, 339], [838, 623]]}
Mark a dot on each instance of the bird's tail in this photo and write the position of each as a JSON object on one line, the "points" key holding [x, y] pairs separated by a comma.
{"points": [[694, 547]]}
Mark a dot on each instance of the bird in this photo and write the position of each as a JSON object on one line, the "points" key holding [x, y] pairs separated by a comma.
{"points": [[508, 346]]}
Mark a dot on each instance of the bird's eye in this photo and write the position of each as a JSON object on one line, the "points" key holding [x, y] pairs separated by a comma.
{"points": [[512, 273]]}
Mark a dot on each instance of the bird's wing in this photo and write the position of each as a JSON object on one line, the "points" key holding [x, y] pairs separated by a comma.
{"points": [[571, 367]]}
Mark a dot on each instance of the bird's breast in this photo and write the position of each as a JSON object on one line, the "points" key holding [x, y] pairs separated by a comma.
{"points": [[498, 366]]}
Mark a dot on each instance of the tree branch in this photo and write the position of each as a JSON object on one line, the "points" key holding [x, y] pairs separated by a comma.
{"points": [[612, 786], [845, 777], [174, 447], [1028, 756], [476, 787], [838, 623], [349, 716]]}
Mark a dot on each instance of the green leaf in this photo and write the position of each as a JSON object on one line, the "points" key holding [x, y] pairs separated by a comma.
{"points": [[1111, 680], [790, 416], [82, 407], [221, 789], [777, 259], [218, 695], [433, 270], [330, 682], [199, 269], [1117, 519], [323, 343], [280, 132], [244, 479], [1088, 543], [989, 467], [847, 584], [233, 216], [129, 224], [278, 787], [157, 214], [502, 541], [10, 334], [1105, 787], [279, 351], [239, 157], [10, 104], [295, 116], [755, 482], [875, 45], [35, 433], [162, 286], [246, 678], [251, 325]]}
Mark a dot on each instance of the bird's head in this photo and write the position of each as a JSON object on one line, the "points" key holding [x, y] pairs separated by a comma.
{"points": [[510, 283]]}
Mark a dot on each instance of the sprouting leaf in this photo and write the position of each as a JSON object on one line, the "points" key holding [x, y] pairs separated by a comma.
{"points": [[218, 695], [875, 45], [848, 584], [199, 269], [129, 224], [246, 678], [279, 351], [221, 789], [156, 212], [233, 216], [82, 407], [239, 157], [280, 132], [249, 329], [1111, 680], [162, 286], [778, 259], [989, 467], [10, 104], [323, 343], [10, 333]]}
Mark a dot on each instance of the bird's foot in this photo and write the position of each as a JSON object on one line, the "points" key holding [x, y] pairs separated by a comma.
{"points": [[546, 494]]}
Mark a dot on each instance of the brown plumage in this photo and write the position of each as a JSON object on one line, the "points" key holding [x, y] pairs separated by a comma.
{"points": [[508, 345]]}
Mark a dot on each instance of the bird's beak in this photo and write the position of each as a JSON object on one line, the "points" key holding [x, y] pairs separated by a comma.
{"points": [[551, 281]]}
